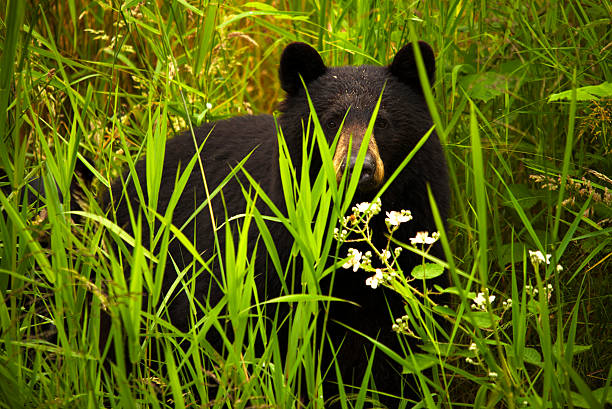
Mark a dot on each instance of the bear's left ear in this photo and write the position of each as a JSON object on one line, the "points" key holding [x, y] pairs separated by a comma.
{"points": [[299, 59], [404, 65]]}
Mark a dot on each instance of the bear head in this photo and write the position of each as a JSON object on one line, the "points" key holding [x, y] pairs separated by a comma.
{"points": [[347, 96]]}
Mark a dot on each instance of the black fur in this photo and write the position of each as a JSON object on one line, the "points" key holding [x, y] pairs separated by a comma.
{"points": [[403, 119]]}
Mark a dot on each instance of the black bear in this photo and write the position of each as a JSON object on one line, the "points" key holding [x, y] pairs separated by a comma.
{"points": [[340, 95]]}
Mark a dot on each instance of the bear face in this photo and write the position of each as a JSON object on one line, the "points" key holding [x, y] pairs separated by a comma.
{"points": [[348, 95]]}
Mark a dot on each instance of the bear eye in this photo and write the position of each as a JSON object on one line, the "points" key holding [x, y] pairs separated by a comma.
{"points": [[382, 123], [332, 124]]}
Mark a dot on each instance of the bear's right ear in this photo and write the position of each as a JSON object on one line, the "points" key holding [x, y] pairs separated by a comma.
{"points": [[404, 65], [299, 59]]}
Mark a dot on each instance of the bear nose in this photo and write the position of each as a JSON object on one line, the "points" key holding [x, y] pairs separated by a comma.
{"points": [[366, 179], [367, 172]]}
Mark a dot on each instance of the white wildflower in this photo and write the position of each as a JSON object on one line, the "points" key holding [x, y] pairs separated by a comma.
{"points": [[367, 208], [376, 279], [396, 218], [361, 207], [559, 268], [537, 257], [480, 301], [473, 347], [376, 206], [492, 374], [531, 290], [385, 255], [340, 235], [367, 259], [548, 291], [354, 261], [423, 237]]}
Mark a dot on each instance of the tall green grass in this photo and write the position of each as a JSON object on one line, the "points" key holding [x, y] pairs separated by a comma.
{"points": [[521, 102]]}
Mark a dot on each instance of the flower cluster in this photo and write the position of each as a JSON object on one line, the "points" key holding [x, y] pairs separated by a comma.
{"points": [[354, 260], [357, 260], [478, 361], [402, 325], [367, 208], [357, 223], [366, 261], [362, 213], [380, 277], [340, 235], [481, 301], [537, 257], [423, 237], [385, 255], [474, 348], [394, 219], [376, 279]]}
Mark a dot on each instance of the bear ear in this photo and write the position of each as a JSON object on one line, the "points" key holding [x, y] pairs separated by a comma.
{"points": [[404, 65], [299, 59]]}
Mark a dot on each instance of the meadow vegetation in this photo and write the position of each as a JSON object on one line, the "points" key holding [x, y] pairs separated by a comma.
{"points": [[522, 103]]}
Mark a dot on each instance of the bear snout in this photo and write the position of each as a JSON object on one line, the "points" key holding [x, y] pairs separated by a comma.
{"points": [[372, 170], [367, 179]]}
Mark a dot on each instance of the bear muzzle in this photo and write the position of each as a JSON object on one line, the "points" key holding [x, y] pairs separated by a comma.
{"points": [[372, 170]]}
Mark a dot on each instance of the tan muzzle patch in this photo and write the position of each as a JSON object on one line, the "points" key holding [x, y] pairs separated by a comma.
{"points": [[353, 136]]}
